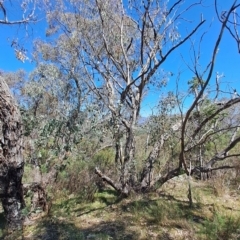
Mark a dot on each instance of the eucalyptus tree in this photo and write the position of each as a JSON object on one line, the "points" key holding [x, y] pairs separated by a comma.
{"points": [[120, 48], [11, 141]]}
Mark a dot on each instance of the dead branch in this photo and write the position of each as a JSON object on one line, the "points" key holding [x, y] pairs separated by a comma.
{"points": [[107, 180]]}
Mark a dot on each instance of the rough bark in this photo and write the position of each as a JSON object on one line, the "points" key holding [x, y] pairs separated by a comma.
{"points": [[11, 158]]}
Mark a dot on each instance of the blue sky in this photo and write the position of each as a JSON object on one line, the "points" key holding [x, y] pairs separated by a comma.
{"points": [[228, 60]]}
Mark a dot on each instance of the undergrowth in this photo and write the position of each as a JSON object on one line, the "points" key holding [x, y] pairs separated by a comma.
{"points": [[164, 214]]}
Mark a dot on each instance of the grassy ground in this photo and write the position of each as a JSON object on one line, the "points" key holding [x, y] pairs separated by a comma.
{"points": [[164, 214]]}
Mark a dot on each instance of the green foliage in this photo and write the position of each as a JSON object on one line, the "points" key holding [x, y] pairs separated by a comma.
{"points": [[107, 196], [29, 122], [195, 84], [221, 227], [78, 178], [26, 211], [104, 158]]}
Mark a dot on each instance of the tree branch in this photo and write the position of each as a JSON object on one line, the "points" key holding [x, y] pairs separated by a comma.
{"points": [[107, 180]]}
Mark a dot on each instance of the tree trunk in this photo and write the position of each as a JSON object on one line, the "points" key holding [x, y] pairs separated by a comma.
{"points": [[11, 158], [146, 175], [128, 174]]}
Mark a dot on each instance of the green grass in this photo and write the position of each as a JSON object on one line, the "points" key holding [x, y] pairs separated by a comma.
{"points": [[221, 227], [162, 215]]}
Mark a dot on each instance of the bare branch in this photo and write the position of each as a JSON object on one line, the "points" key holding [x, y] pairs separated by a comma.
{"points": [[212, 64], [223, 107], [108, 180], [222, 155], [28, 19], [156, 66]]}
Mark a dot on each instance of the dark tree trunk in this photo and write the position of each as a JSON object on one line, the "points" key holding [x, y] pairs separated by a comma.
{"points": [[11, 158]]}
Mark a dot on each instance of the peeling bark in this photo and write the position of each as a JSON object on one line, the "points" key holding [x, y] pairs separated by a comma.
{"points": [[11, 158]]}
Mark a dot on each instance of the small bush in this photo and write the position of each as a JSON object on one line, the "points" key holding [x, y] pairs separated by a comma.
{"points": [[221, 228]]}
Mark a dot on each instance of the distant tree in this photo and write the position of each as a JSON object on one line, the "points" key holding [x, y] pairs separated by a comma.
{"points": [[58, 111]]}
